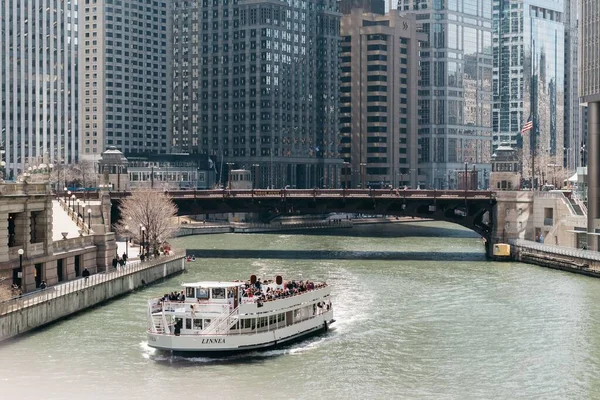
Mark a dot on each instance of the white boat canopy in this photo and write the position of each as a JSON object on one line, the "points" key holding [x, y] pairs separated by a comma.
{"points": [[213, 284]]}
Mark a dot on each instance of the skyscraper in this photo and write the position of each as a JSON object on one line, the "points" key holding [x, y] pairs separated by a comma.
{"points": [[534, 78], [455, 89], [378, 119], [256, 84], [125, 72], [38, 74], [589, 89]]}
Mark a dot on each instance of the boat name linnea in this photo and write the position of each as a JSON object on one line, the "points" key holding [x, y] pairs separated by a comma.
{"points": [[208, 341]]}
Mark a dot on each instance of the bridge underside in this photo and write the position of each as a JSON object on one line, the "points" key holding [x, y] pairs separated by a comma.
{"points": [[474, 214]]}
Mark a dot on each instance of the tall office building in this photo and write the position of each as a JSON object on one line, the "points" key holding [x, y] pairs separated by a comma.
{"points": [[455, 89], [535, 78], [574, 135], [589, 89], [378, 119], [256, 85], [125, 72], [38, 74]]}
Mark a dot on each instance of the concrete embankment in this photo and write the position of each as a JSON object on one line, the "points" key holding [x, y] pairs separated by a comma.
{"points": [[23, 314], [279, 226], [557, 257]]}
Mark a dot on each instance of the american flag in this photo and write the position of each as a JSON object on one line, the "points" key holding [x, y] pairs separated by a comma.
{"points": [[527, 127]]}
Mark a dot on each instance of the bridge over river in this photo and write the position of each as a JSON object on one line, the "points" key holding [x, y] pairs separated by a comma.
{"points": [[470, 208]]}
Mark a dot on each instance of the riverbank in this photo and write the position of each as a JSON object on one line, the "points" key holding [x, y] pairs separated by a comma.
{"points": [[28, 312], [568, 259], [207, 228]]}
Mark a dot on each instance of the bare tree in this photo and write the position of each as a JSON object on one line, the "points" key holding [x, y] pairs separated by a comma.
{"points": [[82, 173], [151, 209], [61, 175]]}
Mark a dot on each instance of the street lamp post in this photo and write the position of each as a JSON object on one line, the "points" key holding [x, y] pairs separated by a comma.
{"points": [[127, 241], [65, 193], [255, 180], [229, 166], [78, 202], [72, 202], [362, 174], [143, 244], [89, 218], [345, 166], [20, 271], [68, 196], [466, 174]]}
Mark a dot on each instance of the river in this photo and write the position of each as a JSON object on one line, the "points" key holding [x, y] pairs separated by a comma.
{"points": [[420, 314]]}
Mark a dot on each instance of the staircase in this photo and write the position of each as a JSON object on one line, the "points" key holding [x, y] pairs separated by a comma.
{"points": [[223, 323], [575, 205]]}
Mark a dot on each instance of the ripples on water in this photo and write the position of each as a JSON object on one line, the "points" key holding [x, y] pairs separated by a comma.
{"points": [[420, 314]]}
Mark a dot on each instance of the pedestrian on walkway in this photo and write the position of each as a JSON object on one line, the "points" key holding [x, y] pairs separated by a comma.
{"points": [[43, 285], [125, 257], [85, 274], [115, 262]]}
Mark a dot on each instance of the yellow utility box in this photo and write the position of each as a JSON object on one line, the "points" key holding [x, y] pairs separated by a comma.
{"points": [[501, 250]]}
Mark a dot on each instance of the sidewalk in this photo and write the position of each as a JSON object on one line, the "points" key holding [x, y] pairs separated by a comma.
{"points": [[133, 252]]}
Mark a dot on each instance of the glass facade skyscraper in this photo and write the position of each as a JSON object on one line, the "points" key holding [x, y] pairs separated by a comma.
{"points": [[529, 81], [38, 79], [255, 83], [455, 89]]}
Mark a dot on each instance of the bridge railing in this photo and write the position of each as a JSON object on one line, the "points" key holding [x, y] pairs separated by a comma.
{"points": [[327, 193]]}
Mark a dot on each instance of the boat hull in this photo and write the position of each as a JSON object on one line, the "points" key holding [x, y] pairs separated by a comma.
{"points": [[218, 345]]}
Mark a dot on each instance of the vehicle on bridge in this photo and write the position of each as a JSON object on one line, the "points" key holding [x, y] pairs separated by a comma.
{"points": [[215, 318]]}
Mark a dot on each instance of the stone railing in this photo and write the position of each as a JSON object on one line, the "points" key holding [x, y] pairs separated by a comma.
{"points": [[72, 243], [52, 292], [24, 189], [79, 220]]}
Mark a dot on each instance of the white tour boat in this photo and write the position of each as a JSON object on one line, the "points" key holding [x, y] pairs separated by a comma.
{"points": [[229, 317]]}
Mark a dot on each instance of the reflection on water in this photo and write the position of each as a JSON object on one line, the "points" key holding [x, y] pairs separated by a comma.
{"points": [[419, 313]]}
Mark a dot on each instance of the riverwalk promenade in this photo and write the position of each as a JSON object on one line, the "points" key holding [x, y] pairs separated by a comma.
{"points": [[569, 259], [212, 227], [36, 309]]}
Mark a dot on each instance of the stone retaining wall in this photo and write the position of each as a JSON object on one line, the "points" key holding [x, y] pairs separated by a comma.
{"points": [[48, 306]]}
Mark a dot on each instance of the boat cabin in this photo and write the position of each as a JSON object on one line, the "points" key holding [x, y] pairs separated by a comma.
{"points": [[214, 292]]}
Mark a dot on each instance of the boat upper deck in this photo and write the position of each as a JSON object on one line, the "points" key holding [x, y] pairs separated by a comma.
{"points": [[241, 292]]}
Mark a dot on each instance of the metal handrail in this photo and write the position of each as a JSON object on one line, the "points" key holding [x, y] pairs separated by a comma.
{"points": [[55, 291]]}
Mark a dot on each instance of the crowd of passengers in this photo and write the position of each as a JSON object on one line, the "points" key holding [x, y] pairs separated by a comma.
{"points": [[173, 296], [288, 289], [258, 291]]}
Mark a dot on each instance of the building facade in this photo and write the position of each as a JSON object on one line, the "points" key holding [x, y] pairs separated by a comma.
{"points": [[455, 89], [589, 90], [256, 84], [124, 64], [532, 55], [38, 74], [378, 119]]}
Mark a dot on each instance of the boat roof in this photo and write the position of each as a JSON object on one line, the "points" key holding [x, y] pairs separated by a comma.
{"points": [[213, 284]]}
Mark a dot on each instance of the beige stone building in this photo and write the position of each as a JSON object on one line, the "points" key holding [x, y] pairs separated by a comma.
{"points": [[378, 92], [48, 239]]}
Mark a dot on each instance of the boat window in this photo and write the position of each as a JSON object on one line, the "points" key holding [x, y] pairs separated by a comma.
{"points": [[201, 293], [246, 323], [218, 293], [188, 323], [197, 323], [189, 292], [206, 322]]}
